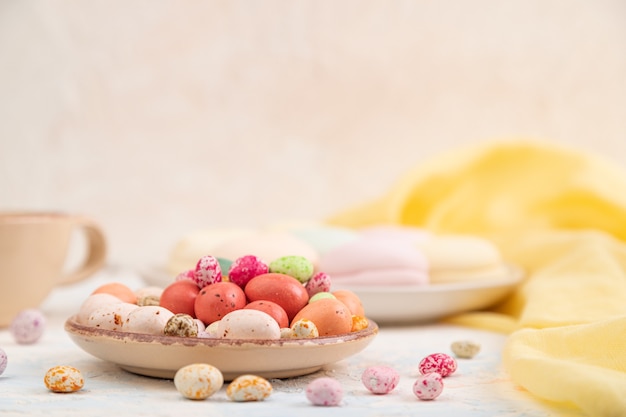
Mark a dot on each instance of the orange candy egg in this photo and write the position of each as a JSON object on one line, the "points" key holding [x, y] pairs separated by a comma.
{"points": [[282, 289], [180, 297], [119, 290], [218, 299], [271, 308], [351, 300], [330, 316]]}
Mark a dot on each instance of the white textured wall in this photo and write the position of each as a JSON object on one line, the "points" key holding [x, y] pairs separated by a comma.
{"points": [[160, 117]]}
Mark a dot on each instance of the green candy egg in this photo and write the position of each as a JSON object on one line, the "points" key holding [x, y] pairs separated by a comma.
{"points": [[321, 295], [296, 266], [224, 265]]}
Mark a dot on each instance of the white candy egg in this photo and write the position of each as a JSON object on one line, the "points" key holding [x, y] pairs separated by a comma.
{"points": [[200, 324], [147, 320], [249, 388], [111, 317], [198, 381], [248, 324], [94, 302], [212, 329]]}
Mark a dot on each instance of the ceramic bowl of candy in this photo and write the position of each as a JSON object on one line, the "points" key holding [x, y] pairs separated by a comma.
{"points": [[274, 322]]}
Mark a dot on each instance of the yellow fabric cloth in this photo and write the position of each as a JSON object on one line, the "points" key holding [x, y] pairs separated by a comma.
{"points": [[561, 215]]}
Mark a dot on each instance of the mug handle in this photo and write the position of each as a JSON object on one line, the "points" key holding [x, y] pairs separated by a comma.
{"points": [[95, 254]]}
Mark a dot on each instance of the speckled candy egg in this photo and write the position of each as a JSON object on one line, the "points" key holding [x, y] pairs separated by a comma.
{"points": [[198, 381], [28, 326], [243, 269], [441, 363], [277, 312], [295, 266], [4, 360], [331, 316], [216, 300], [304, 329], [248, 324], [208, 271], [465, 349], [284, 290], [182, 325], [319, 282], [324, 391], [212, 330], [147, 320], [63, 379], [351, 300], [94, 302], [428, 386], [320, 295], [111, 317], [359, 323], [380, 379], [249, 388], [149, 296]]}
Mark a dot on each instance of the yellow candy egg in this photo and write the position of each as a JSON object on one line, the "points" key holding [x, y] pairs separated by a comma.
{"points": [[359, 323]]}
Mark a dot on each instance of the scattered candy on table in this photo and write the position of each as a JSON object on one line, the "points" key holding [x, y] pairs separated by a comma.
{"points": [[380, 379], [324, 391], [4, 360], [198, 381], [465, 349], [441, 363], [28, 326], [428, 386], [63, 378], [249, 388]]}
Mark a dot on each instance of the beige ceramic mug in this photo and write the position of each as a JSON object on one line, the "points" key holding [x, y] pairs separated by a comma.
{"points": [[34, 248]]}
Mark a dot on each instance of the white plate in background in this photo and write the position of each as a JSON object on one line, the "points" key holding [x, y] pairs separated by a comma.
{"points": [[427, 303]]}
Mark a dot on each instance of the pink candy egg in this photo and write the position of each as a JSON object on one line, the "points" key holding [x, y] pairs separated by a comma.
{"points": [[380, 379], [441, 363], [208, 271], [28, 326], [319, 282], [324, 391], [429, 386], [245, 268], [3, 361]]}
